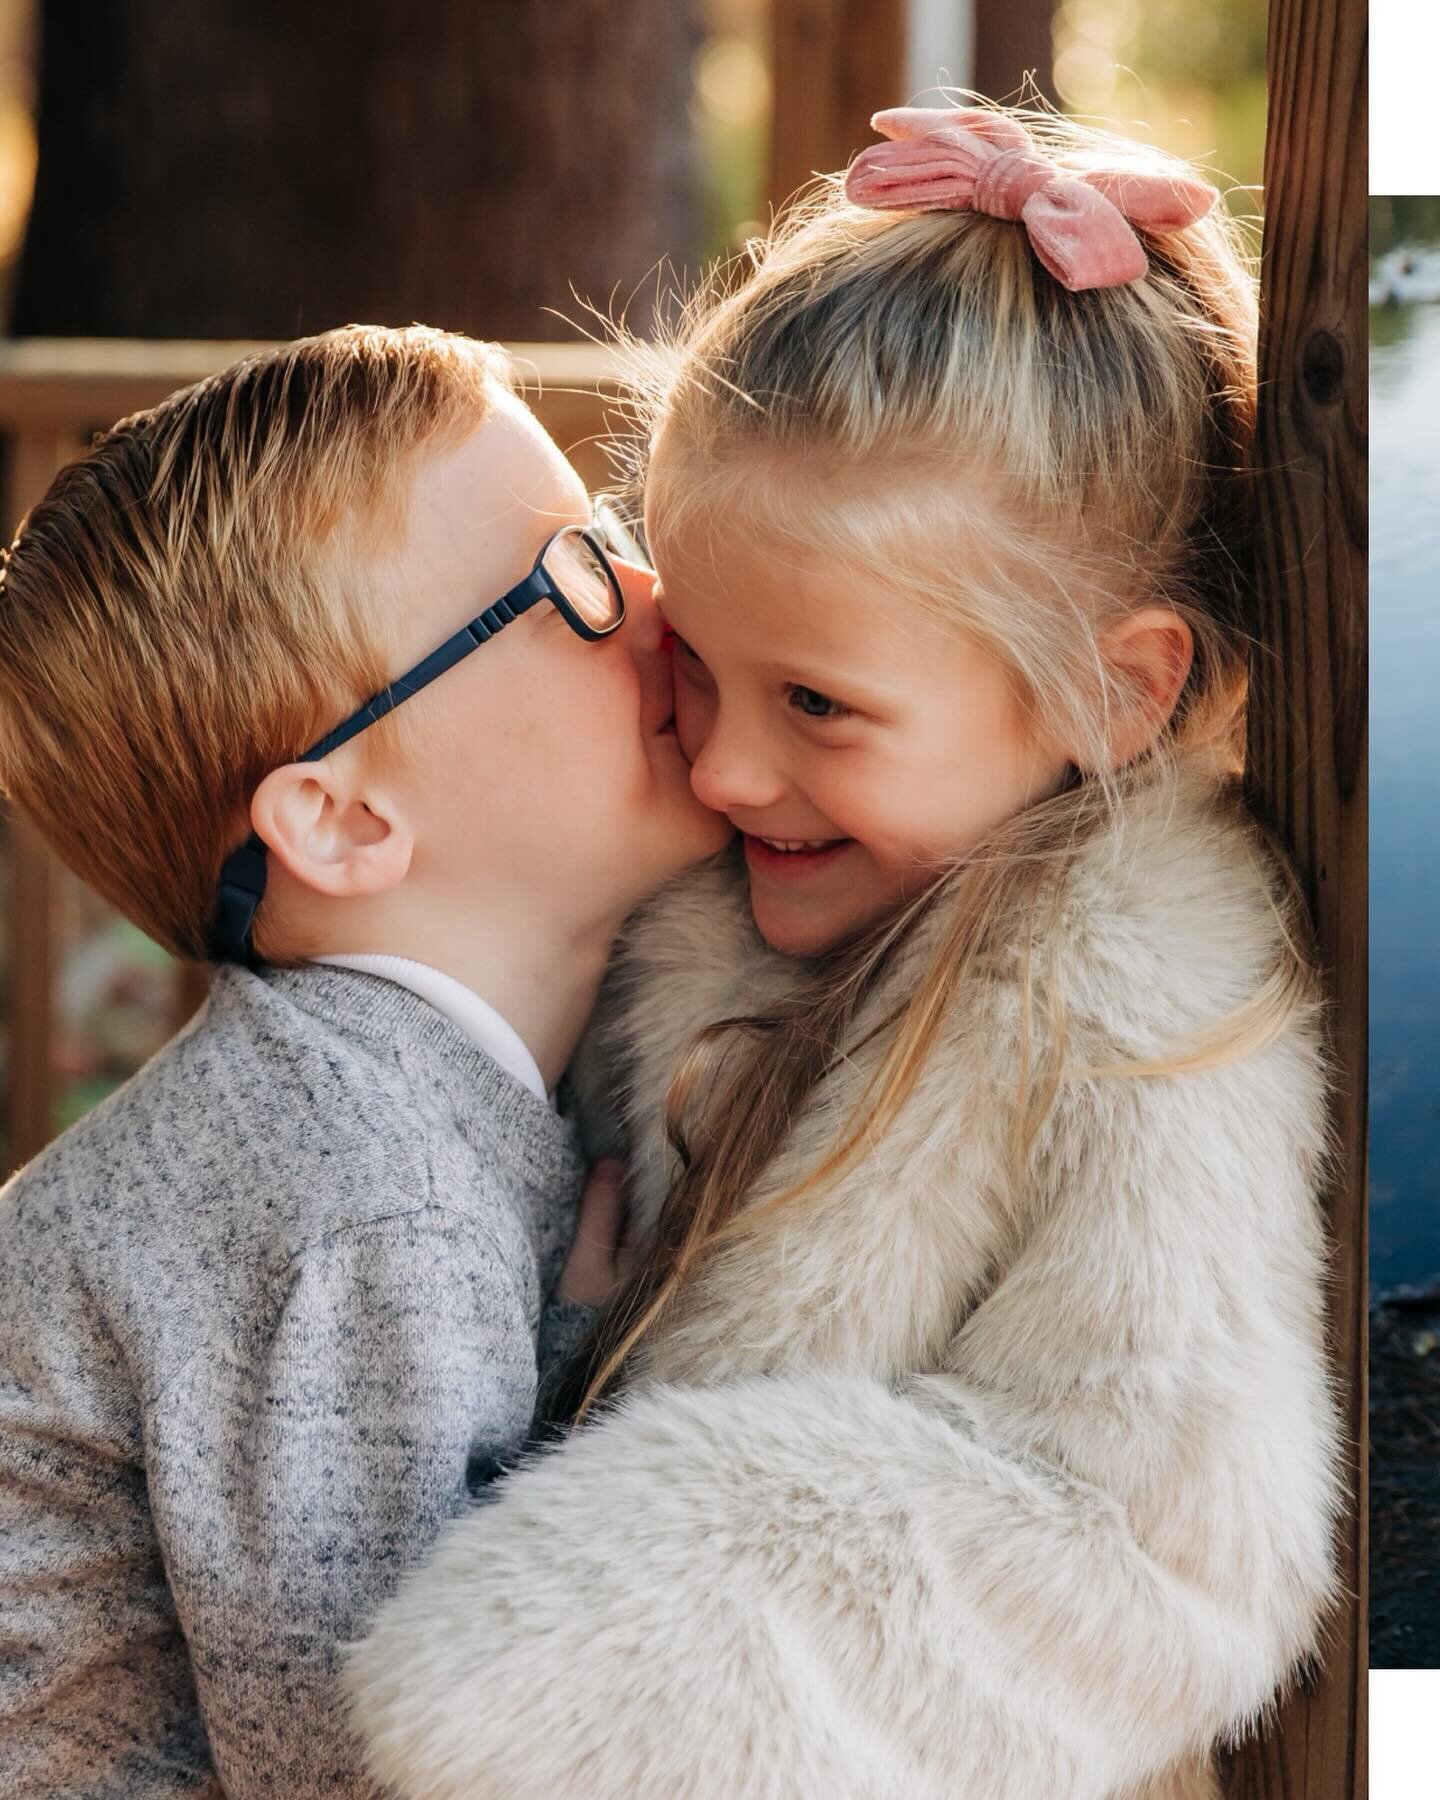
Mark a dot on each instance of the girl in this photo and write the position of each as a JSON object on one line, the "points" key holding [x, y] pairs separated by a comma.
{"points": [[975, 1435]]}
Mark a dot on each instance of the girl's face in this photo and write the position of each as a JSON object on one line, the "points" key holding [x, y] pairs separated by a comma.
{"points": [[854, 740]]}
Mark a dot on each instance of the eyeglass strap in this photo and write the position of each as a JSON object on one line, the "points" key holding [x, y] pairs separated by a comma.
{"points": [[478, 631], [241, 888], [242, 875]]}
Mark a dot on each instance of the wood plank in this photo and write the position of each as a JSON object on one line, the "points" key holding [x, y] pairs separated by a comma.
{"points": [[81, 383], [833, 63], [78, 385], [33, 460], [31, 1100], [1307, 735]]}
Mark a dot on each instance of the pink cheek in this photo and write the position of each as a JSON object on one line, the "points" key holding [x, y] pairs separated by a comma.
{"points": [[693, 714]]}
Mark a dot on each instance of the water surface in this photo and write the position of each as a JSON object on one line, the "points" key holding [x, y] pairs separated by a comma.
{"points": [[1405, 790]]}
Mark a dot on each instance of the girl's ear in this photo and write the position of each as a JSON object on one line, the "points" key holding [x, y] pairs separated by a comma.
{"points": [[1150, 653], [336, 835]]}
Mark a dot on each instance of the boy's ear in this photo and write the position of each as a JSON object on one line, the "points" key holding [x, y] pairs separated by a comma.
{"points": [[1150, 652], [337, 835]]}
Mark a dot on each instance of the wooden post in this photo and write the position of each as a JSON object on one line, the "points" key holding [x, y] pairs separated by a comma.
{"points": [[1307, 747], [834, 62], [1013, 39], [31, 1100], [30, 1104]]}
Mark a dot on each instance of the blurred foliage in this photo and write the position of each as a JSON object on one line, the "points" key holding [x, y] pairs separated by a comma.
{"points": [[1397, 219], [1389, 325], [114, 1002], [731, 115], [1188, 75]]}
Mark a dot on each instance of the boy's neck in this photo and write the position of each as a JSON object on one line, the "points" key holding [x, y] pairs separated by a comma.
{"points": [[543, 984]]}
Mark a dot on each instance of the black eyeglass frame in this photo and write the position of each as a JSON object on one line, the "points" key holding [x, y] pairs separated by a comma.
{"points": [[241, 886]]}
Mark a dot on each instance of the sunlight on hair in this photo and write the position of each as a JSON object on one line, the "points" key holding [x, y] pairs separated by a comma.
{"points": [[879, 370], [186, 608]]}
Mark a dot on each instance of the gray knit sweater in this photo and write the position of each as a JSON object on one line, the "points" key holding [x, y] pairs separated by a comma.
{"points": [[266, 1317]]}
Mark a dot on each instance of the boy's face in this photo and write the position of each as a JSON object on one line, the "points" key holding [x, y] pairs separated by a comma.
{"points": [[542, 770]]}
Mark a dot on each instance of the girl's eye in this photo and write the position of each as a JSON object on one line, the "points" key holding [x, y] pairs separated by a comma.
{"points": [[816, 705]]}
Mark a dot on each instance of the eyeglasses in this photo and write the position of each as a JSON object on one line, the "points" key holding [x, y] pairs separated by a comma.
{"points": [[573, 571]]}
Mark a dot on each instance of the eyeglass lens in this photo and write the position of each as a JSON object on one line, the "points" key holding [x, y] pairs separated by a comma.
{"points": [[619, 535], [583, 579]]}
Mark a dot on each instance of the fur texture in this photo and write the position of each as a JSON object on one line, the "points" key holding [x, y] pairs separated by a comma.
{"points": [[931, 1488]]}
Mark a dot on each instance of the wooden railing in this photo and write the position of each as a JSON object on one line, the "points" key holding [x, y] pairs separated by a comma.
{"points": [[54, 394]]}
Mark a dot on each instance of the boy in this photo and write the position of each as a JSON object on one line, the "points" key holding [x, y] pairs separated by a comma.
{"points": [[270, 1310]]}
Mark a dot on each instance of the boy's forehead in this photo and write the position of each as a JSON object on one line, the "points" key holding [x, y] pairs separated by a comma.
{"points": [[480, 510], [513, 470], [502, 488]]}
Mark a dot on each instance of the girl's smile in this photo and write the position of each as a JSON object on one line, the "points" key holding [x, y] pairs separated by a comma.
{"points": [[856, 742], [781, 861]]}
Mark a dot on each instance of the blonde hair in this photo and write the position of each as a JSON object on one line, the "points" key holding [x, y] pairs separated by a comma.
{"points": [[884, 370], [185, 609]]}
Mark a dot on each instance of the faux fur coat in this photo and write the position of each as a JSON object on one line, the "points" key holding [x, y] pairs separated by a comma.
{"points": [[929, 1490]]}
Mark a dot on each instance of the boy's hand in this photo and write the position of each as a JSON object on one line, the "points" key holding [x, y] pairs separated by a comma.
{"points": [[602, 1253]]}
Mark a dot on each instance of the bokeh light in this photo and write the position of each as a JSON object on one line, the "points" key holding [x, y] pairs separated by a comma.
{"points": [[1188, 77]]}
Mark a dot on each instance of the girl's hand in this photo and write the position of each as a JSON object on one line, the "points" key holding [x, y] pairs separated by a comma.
{"points": [[602, 1253]]}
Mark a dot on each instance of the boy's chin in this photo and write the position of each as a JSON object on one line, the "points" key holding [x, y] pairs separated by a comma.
{"points": [[714, 830], [699, 833], [693, 833]]}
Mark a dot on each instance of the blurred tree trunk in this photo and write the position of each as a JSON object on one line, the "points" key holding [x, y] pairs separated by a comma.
{"points": [[1013, 39], [253, 170]]}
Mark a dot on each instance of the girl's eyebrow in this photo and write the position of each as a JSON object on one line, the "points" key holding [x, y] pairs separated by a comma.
{"points": [[841, 682]]}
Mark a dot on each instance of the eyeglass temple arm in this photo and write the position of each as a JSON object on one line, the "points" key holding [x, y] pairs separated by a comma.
{"points": [[241, 886]]}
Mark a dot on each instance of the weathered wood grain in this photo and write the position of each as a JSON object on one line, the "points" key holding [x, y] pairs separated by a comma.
{"points": [[29, 1103], [1307, 734], [31, 1098], [833, 62]]}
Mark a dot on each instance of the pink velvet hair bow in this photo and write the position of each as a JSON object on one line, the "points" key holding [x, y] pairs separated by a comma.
{"points": [[1079, 224]]}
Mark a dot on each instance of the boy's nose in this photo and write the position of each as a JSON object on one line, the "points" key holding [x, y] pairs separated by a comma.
{"points": [[643, 634], [642, 616]]}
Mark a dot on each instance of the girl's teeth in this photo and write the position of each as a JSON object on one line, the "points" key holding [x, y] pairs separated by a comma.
{"points": [[797, 843]]}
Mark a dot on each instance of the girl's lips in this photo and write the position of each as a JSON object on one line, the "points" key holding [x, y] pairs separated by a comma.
{"points": [[791, 864]]}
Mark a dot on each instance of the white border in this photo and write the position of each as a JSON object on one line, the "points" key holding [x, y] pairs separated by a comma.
{"points": [[1404, 57], [1404, 1734]]}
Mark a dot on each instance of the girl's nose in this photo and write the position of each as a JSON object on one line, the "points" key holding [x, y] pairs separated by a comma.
{"points": [[730, 772]]}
